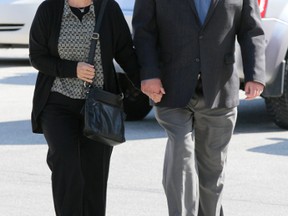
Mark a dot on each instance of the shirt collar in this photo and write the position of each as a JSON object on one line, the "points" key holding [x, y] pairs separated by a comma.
{"points": [[67, 10]]}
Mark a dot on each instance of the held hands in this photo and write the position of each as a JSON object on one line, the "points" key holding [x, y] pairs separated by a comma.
{"points": [[253, 90], [85, 72], [153, 89]]}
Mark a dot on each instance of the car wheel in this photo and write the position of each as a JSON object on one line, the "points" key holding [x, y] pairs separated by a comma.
{"points": [[136, 104], [277, 107]]}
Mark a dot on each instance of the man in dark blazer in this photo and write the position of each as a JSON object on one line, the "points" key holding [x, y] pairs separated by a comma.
{"points": [[186, 52]]}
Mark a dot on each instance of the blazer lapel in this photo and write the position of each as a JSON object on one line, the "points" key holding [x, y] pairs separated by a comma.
{"points": [[193, 7], [210, 11]]}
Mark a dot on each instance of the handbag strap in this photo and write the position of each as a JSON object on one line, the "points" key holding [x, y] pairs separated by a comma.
{"points": [[95, 38], [95, 35]]}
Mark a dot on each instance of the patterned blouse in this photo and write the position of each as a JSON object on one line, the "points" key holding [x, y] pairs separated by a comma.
{"points": [[74, 45]]}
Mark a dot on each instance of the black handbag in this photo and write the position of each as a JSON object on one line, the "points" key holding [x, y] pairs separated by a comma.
{"points": [[103, 111], [104, 117]]}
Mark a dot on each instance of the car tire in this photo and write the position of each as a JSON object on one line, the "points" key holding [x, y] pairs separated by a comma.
{"points": [[277, 107], [136, 104]]}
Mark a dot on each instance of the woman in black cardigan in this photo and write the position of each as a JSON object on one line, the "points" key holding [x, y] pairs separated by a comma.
{"points": [[59, 45]]}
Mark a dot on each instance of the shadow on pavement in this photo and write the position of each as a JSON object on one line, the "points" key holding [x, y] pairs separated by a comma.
{"points": [[280, 148], [21, 79], [145, 129], [19, 133], [253, 117]]}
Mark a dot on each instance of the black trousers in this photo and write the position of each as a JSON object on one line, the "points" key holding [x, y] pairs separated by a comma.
{"points": [[79, 165]]}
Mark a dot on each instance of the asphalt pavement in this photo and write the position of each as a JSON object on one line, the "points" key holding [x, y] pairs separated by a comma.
{"points": [[257, 171]]}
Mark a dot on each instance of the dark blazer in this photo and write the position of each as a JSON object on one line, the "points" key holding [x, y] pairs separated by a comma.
{"points": [[172, 45], [116, 42]]}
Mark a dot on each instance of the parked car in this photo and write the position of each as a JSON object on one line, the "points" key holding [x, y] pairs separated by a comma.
{"points": [[275, 23], [15, 20], [16, 17]]}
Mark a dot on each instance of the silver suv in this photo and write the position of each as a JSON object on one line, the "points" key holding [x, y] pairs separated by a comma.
{"points": [[275, 23], [274, 14]]}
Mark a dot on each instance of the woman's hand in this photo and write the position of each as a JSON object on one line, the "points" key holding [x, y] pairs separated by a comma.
{"points": [[153, 89], [85, 72]]}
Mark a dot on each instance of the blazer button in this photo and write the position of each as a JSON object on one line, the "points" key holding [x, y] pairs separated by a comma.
{"points": [[197, 60], [201, 37]]}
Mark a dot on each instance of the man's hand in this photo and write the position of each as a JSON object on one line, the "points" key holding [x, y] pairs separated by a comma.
{"points": [[253, 90], [153, 89]]}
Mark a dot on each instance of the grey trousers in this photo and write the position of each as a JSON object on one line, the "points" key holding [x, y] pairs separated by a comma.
{"points": [[195, 157]]}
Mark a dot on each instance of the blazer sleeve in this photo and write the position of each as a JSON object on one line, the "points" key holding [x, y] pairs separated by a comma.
{"points": [[145, 34], [40, 44], [252, 42]]}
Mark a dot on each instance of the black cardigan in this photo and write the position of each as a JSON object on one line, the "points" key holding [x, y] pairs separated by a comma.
{"points": [[115, 39]]}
